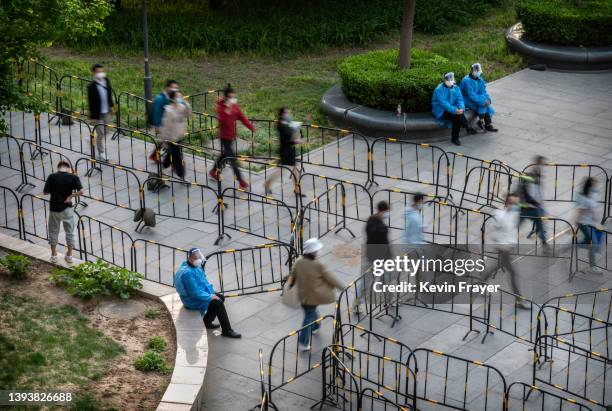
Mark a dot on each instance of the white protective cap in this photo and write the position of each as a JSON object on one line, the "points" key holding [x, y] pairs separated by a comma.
{"points": [[312, 246]]}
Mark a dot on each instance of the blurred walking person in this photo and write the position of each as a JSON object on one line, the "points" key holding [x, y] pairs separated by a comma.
{"points": [[532, 206], [174, 124], [101, 107], [287, 131], [62, 186], [413, 223], [160, 102], [228, 113], [586, 204], [315, 285]]}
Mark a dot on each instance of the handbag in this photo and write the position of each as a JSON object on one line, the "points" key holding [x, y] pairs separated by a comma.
{"points": [[290, 296]]}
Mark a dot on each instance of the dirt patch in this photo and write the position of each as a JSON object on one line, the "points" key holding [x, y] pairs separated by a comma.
{"points": [[121, 386]]}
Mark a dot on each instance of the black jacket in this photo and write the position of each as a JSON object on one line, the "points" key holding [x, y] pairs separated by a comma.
{"points": [[93, 97], [377, 238]]}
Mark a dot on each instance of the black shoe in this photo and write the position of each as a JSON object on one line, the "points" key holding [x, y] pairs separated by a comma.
{"points": [[472, 130], [489, 127], [456, 142], [211, 326], [480, 124], [231, 334]]}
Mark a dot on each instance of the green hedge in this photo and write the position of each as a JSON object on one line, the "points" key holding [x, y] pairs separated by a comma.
{"points": [[374, 80], [567, 22]]}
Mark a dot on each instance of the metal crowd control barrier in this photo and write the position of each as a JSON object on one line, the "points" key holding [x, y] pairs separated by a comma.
{"points": [[356, 336], [10, 201], [104, 241], [600, 252], [461, 164], [346, 371], [323, 214], [286, 364], [263, 405], [73, 92], [518, 393], [132, 111], [69, 132], [39, 162], [252, 270], [155, 261], [586, 378], [34, 215], [109, 183], [11, 156], [424, 164], [574, 174], [373, 398], [450, 224], [274, 220], [204, 101], [493, 183], [22, 125], [399, 201], [349, 151], [457, 383], [38, 80]]}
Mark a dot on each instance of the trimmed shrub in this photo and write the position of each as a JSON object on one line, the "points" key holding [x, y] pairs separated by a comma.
{"points": [[374, 80], [567, 22], [17, 265]]}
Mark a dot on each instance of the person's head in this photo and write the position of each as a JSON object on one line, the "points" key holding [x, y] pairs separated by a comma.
{"points": [[63, 165], [284, 113], [195, 258], [312, 247], [539, 160], [175, 96], [417, 200], [449, 79], [171, 85], [382, 208], [229, 95], [97, 71], [476, 70], [511, 200], [588, 186]]}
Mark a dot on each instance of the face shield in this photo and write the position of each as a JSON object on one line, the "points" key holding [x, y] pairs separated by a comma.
{"points": [[449, 79], [476, 70]]}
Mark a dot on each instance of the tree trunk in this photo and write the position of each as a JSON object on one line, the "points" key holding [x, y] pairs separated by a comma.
{"points": [[406, 34]]}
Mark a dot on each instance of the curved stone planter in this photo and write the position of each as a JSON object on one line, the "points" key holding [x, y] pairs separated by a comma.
{"points": [[379, 123], [562, 57]]}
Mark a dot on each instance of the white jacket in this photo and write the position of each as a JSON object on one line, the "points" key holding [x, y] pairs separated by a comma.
{"points": [[505, 229], [174, 121]]}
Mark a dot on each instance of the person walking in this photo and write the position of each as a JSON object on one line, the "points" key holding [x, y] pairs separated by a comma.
{"points": [[62, 186], [174, 124], [315, 287], [448, 107], [101, 107], [586, 204], [160, 102], [197, 293], [228, 113], [532, 207], [287, 130], [413, 224], [474, 91]]}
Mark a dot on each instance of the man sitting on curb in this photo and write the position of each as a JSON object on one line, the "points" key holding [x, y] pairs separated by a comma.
{"points": [[197, 293]]}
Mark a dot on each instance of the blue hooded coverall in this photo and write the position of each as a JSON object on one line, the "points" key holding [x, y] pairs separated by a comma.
{"points": [[193, 287], [446, 99], [157, 111], [475, 95]]}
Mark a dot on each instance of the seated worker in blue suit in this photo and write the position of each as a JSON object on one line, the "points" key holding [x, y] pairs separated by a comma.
{"points": [[448, 108], [474, 90], [197, 293]]}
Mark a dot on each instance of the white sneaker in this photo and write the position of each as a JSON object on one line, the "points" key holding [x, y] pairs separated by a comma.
{"points": [[102, 157], [315, 331], [68, 259], [303, 347], [53, 259]]}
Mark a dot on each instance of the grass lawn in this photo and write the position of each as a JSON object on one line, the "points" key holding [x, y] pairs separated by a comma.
{"points": [[265, 83]]}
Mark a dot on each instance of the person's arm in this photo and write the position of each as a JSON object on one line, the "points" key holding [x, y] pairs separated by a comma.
{"points": [[244, 120], [48, 185], [156, 111], [330, 278], [486, 96], [477, 98], [91, 98], [77, 190], [460, 102], [187, 109], [440, 98], [194, 290]]}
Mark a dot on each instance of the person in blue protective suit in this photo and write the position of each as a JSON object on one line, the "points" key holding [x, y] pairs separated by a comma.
{"points": [[474, 91], [447, 107], [197, 293]]}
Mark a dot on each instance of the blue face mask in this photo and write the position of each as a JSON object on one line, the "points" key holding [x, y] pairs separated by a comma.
{"points": [[180, 100]]}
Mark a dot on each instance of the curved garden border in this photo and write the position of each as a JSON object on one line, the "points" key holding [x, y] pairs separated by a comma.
{"points": [[379, 123], [562, 57]]}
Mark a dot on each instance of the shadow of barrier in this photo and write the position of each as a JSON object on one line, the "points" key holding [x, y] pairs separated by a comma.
{"points": [[347, 374], [574, 174], [518, 393], [105, 242], [491, 186], [10, 201], [575, 370], [155, 261], [425, 164], [251, 270]]}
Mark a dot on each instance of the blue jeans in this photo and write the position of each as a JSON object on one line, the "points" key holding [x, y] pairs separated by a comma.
{"points": [[534, 214], [310, 314], [592, 237]]}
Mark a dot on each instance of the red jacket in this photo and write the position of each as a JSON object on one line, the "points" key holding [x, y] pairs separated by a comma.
{"points": [[227, 121]]}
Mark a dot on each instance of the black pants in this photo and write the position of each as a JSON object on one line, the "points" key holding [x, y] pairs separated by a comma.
{"points": [[457, 120], [174, 157], [227, 150], [505, 262], [486, 117], [216, 309]]}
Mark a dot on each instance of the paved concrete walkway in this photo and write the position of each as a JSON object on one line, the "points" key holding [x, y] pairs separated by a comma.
{"points": [[564, 116]]}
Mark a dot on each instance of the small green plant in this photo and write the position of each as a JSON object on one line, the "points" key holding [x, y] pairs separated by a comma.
{"points": [[17, 265], [157, 344], [97, 278], [152, 361], [152, 313]]}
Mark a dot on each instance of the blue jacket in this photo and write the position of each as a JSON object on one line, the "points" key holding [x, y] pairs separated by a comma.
{"points": [[446, 99], [193, 287], [157, 111], [475, 94], [413, 227]]}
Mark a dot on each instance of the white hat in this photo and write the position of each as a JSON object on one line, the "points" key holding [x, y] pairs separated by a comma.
{"points": [[312, 246]]}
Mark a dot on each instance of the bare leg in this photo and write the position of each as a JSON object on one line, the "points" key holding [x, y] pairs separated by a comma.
{"points": [[53, 249]]}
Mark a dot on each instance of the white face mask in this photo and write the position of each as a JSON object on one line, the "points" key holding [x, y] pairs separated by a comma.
{"points": [[100, 75], [449, 83], [198, 262], [232, 101], [174, 89]]}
